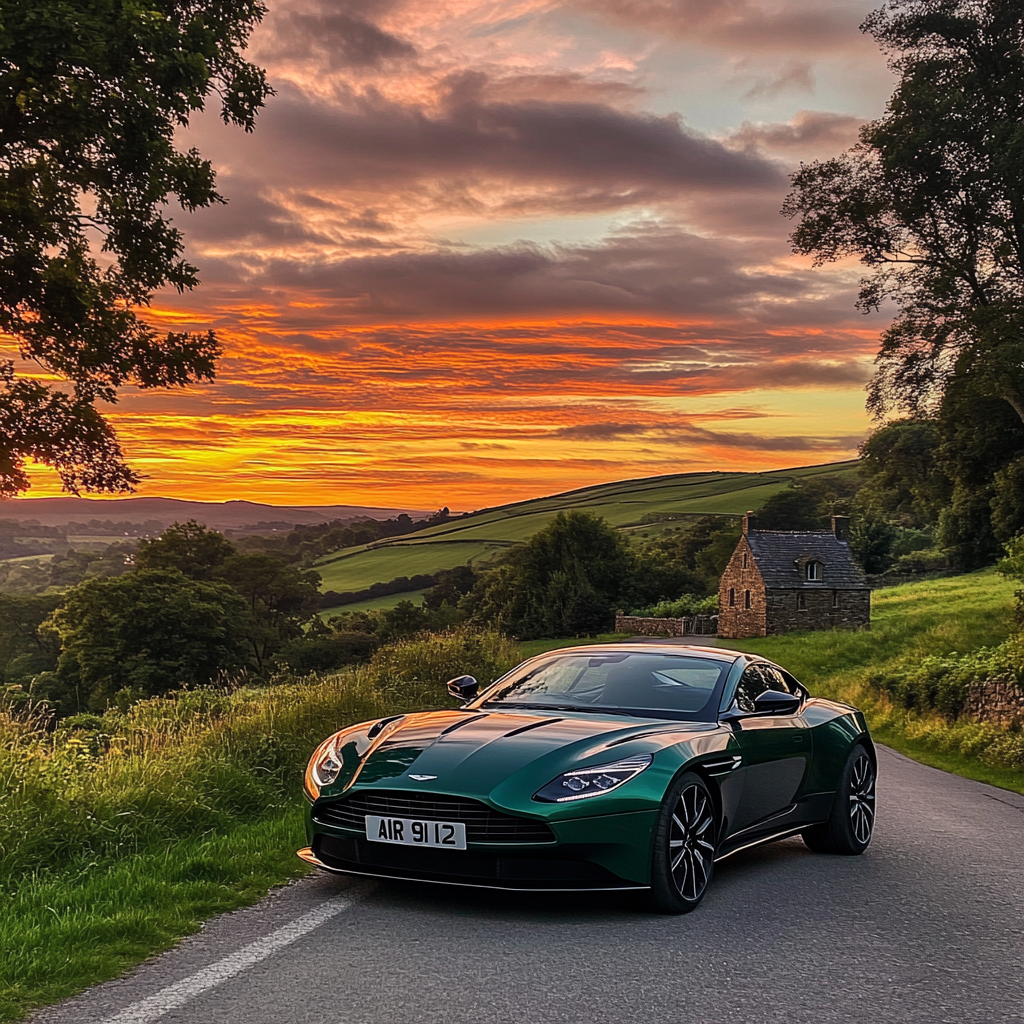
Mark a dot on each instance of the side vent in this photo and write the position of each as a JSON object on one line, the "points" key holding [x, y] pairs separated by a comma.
{"points": [[720, 766]]}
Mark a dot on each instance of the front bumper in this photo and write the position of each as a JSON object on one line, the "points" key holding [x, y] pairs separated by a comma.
{"points": [[609, 852]]}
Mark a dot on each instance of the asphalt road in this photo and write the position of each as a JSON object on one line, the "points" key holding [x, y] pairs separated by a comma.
{"points": [[927, 926]]}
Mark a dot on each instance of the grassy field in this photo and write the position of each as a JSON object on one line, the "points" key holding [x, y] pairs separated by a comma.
{"points": [[27, 559], [632, 505], [374, 603], [358, 568], [114, 846]]}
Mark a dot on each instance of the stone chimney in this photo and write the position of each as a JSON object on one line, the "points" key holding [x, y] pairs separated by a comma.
{"points": [[749, 523], [841, 528]]}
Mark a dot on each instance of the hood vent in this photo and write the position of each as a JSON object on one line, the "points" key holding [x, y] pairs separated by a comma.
{"points": [[532, 725]]}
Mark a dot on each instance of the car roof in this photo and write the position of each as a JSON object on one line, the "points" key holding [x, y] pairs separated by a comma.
{"points": [[664, 646]]}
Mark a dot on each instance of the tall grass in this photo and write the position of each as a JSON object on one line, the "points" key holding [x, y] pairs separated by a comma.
{"points": [[121, 832], [199, 762]]}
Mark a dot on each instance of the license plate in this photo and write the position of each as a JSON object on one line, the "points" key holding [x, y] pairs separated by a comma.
{"points": [[450, 835]]}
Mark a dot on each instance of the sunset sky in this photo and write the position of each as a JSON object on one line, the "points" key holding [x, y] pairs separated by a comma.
{"points": [[481, 251]]}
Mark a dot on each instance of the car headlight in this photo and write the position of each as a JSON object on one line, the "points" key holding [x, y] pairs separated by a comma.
{"points": [[587, 782], [324, 767]]}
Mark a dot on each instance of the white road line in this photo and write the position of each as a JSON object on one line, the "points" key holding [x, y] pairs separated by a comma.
{"points": [[182, 991]]}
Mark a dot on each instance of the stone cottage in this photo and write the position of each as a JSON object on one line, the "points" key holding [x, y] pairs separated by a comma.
{"points": [[777, 581]]}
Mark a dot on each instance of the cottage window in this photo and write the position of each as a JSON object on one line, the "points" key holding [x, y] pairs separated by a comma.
{"points": [[732, 598], [744, 559], [835, 598], [801, 602], [813, 572], [746, 598]]}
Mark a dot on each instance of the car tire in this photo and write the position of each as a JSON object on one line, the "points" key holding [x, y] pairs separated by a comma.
{"points": [[850, 826], [683, 855]]}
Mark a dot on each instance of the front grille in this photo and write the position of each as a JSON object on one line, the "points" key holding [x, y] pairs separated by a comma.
{"points": [[483, 824]]}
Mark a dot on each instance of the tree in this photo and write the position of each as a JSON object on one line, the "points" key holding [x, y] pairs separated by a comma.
{"points": [[278, 596], [932, 202], [905, 479], [148, 632], [92, 94], [871, 542], [24, 650], [791, 509], [190, 548], [566, 580]]}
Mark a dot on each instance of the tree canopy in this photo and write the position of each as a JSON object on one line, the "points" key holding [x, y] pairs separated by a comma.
{"points": [[148, 632], [931, 200], [92, 93]]}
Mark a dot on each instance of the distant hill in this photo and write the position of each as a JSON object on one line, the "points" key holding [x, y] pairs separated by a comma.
{"points": [[647, 506], [217, 515]]}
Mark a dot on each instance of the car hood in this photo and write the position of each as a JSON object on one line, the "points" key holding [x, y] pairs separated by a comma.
{"points": [[483, 753]]}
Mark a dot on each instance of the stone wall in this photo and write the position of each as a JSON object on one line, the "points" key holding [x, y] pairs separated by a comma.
{"points": [[735, 619], [638, 625], [997, 701], [822, 609]]}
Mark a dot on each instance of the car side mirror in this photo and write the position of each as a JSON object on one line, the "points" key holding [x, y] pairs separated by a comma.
{"points": [[774, 702], [463, 688]]}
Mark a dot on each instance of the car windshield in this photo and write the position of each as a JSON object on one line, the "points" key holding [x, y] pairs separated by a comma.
{"points": [[668, 685]]}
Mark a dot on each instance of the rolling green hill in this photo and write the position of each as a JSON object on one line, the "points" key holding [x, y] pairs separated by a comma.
{"points": [[646, 505]]}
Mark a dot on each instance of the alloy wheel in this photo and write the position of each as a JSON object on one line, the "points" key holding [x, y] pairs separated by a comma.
{"points": [[691, 849], [862, 798]]}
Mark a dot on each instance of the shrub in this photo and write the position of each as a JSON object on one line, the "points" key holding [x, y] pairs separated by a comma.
{"points": [[685, 606], [942, 683], [431, 659], [928, 560]]}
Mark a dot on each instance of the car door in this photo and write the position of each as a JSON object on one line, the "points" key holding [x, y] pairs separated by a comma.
{"points": [[775, 751]]}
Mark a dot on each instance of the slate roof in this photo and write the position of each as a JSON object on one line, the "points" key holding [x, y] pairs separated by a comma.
{"points": [[780, 557]]}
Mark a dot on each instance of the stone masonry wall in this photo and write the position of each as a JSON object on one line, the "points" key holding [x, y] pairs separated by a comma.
{"points": [[735, 619], [851, 611], [697, 625], [996, 701]]}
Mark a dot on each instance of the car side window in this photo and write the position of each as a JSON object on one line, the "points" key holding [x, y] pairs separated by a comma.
{"points": [[749, 688], [795, 686]]}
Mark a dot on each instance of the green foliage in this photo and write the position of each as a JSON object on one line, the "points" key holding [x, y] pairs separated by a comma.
{"points": [[931, 202], [690, 560], [1012, 568], [150, 631], [942, 683], [791, 509], [452, 585], [685, 606], [24, 648], [905, 479], [566, 580], [278, 598], [1008, 500], [170, 767], [433, 658], [188, 548], [871, 542], [93, 94]]}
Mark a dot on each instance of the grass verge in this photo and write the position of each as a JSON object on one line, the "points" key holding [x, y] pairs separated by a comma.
{"points": [[61, 932]]}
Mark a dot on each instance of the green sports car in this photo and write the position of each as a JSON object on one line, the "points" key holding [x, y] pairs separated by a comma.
{"points": [[621, 766]]}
